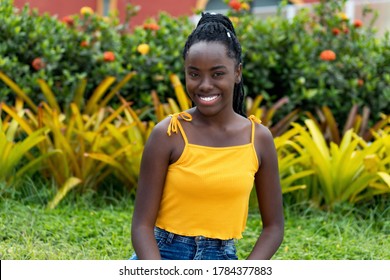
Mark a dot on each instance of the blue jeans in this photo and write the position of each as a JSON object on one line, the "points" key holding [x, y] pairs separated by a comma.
{"points": [[177, 247]]}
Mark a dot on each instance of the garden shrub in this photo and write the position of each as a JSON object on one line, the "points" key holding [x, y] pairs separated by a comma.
{"points": [[318, 58], [40, 46], [163, 39], [63, 51]]}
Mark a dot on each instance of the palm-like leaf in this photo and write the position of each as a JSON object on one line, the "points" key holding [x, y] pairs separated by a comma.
{"points": [[340, 171], [13, 152]]}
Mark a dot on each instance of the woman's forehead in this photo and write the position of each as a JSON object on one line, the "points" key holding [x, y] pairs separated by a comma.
{"points": [[214, 50]]}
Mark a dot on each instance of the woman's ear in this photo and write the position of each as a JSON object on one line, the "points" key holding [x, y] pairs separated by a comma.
{"points": [[238, 73]]}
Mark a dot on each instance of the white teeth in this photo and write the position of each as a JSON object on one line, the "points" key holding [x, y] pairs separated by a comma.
{"points": [[208, 98]]}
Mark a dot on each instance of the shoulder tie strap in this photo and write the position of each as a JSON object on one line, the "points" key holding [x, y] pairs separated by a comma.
{"points": [[254, 120], [174, 123]]}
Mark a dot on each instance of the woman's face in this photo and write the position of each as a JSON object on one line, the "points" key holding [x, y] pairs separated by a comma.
{"points": [[210, 77]]}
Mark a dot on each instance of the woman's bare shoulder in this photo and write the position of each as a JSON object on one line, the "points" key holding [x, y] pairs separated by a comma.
{"points": [[264, 142], [262, 133], [162, 135]]}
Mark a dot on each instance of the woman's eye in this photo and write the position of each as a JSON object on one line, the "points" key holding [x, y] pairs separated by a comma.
{"points": [[218, 74], [193, 75]]}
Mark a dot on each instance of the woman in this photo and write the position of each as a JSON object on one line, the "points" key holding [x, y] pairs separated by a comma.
{"points": [[199, 166]]}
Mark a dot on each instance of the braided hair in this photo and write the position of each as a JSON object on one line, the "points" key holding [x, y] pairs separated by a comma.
{"points": [[219, 28]]}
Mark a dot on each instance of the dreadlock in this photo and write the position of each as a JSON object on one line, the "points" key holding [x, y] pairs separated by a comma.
{"points": [[219, 28]]}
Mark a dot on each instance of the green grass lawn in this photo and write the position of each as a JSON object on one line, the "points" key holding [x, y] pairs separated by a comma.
{"points": [[317, 235], [100, 230]]}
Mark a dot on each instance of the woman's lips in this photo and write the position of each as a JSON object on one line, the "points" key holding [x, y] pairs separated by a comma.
{"points": [[208, 99]]}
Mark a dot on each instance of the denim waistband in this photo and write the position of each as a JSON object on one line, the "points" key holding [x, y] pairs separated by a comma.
{"points": [[169, 236]]}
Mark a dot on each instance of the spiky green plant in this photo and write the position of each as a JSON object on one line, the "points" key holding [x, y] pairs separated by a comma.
{"points": [[351, 171]]}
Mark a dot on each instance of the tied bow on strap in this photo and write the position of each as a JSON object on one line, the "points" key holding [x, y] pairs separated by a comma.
{"points": [[253, 118], [172, 127]]}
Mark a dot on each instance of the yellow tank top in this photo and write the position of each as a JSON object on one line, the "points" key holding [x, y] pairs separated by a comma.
{"points": [[207, 189]]}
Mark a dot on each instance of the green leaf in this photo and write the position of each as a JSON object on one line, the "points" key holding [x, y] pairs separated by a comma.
{"points": [[64, 189]]}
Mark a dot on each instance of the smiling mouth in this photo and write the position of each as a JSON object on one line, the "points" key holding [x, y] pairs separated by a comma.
{"points": [[208, 98]]}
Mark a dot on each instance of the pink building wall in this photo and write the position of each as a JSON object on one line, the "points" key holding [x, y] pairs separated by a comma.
{"points": [[149, 8]]}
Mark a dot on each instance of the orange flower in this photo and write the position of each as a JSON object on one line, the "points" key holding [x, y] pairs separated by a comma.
{"points": [[86, 11], [68, 20], [38, 63], [358, 23], [143, 49], [235, 5], [346, 30], [151, 26], [328, 55], [108, 56], [154, 26], [84, 44], [360, 82], [336, 31]]}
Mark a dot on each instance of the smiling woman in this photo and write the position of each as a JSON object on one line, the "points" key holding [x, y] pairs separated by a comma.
{"points": [[199, 166], [210, 74]]}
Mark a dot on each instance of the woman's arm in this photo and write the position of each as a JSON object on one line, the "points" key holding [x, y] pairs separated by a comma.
{"points": [[154, 165], [269, 196]]}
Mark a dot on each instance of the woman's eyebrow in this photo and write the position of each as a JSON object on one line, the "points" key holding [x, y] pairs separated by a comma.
{"points": [[217, 67]]}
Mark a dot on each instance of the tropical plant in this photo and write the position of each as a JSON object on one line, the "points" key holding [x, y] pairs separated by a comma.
{"points": [[359, 123], [15, 157], [293, 167], [266, 115], [352, 171], [91, 144], [162, 110]]}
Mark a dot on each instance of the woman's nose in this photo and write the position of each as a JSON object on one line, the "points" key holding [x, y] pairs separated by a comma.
{"points": [[205, 84]]}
